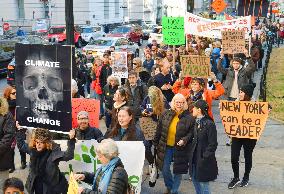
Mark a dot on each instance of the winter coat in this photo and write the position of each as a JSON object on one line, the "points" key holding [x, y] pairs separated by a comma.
{"points": [[202, 151], [244, 75], [7, 135], [135, 100], [184, 131], [105, 72], [118, 183], [54, 182], [109, 92], [89, 133]]}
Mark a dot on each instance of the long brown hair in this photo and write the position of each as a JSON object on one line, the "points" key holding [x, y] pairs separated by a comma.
{"points": [[157, 100], [131, 131]]}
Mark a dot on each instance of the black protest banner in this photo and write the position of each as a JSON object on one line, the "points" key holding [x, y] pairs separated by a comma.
{"points": [[43, 82], [244, 119], [195, 66]]}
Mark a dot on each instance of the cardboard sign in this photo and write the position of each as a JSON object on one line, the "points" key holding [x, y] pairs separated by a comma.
{"points": [[219, 5], [73, 185], [43, 82], [200, 26], [119, 67], [173, 30], [148, 127], [233, 42], [131, 153], [195, 66], [244, 119], [92, 106]]}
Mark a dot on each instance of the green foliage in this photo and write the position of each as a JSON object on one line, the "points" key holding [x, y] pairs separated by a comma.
{"points": [[92, 151], [77, 157], [86, 158], [84, 148]]}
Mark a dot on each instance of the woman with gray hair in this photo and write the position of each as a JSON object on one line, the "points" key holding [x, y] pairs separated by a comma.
{"points": [[173, 134], [111, 177]]}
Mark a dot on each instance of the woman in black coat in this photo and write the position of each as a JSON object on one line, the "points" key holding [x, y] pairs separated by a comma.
{"points": [[173, 133], [202, 161], [44, 174]]}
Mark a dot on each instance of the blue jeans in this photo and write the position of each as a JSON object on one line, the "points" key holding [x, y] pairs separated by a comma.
{"points": [[200, 187], [172, 181]]}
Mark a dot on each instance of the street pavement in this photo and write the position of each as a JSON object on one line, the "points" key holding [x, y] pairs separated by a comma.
{"points": [[267, 174]]}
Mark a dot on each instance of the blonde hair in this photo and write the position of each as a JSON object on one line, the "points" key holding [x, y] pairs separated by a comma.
{"points": [[4, 107], [138, 62], [157, 100], [115, 79], [175, 98]]}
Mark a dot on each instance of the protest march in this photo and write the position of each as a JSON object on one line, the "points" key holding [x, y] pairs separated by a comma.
{"points": [[115, 122]]}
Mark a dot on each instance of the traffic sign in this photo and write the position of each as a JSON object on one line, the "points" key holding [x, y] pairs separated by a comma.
{"points": [[219, 5], [6, 26]]}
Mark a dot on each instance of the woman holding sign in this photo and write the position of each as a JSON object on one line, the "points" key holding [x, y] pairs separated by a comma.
{"points": [[246, 93]]}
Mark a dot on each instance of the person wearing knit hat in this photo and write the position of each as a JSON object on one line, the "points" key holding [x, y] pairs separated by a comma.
{"points": [[248, 91], [202, 161], [245, 94], [44, 174]]}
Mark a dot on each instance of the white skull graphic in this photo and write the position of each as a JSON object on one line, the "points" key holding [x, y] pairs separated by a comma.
{"points": [[44, 88]]}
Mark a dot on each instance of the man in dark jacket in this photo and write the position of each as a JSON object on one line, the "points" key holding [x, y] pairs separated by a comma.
{"points": [[7, 134], [105, 71], [165, 80], [84, 131], [137, 93]]}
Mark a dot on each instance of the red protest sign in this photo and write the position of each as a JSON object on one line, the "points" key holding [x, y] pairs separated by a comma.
{"points": [[219, 5], [92, 106], [6, 26]]}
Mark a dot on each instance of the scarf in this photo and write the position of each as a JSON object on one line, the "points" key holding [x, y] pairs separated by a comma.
{"points": [[197, 96], [118, 106], [106, 176]]}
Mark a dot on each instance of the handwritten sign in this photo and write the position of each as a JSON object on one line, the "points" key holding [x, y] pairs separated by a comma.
{"points": [[173, 30], [119, 67], [244, 119], [219, 5], [195, 66], [73, 185], [92, 106], [233, 42], [148, 127]]}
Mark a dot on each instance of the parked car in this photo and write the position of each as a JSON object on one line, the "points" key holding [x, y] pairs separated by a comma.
{"points": [[90, 33], [147, 29], [57, 34], [5, 58], [103, 44], [11, 73], [156, 35], [33, 39], [133, 33]]}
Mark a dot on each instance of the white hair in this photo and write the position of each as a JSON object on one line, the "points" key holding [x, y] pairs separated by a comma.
{"points": [[108, 148], [74, 86], [179, 96], [83, 113]]}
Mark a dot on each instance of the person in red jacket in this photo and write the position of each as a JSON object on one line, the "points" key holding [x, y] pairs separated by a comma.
{"points": [[198, 91]]}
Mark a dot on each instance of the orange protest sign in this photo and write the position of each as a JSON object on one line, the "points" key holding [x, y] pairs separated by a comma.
{"points": [[219, 5], [233, 42], [195, 66], [244, 119], [92, 106]]}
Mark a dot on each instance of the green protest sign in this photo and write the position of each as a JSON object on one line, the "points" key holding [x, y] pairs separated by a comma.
{"points": [[173, 30]]}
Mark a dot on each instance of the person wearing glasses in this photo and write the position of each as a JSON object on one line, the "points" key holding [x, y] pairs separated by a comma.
{"points": [[174, 130], [13, 186], [84, 130], [7, 135], [10, 95]]}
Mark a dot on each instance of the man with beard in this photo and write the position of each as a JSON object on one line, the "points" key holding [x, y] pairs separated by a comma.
{"points": [[84, 130]]}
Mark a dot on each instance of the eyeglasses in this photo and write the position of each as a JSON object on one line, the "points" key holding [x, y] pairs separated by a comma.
{"points": [[14, 192], [13, 93], [83, 118], [179, 102]]}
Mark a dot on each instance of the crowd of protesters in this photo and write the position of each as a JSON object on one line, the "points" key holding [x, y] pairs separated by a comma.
{"points": [[178, 107]]}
